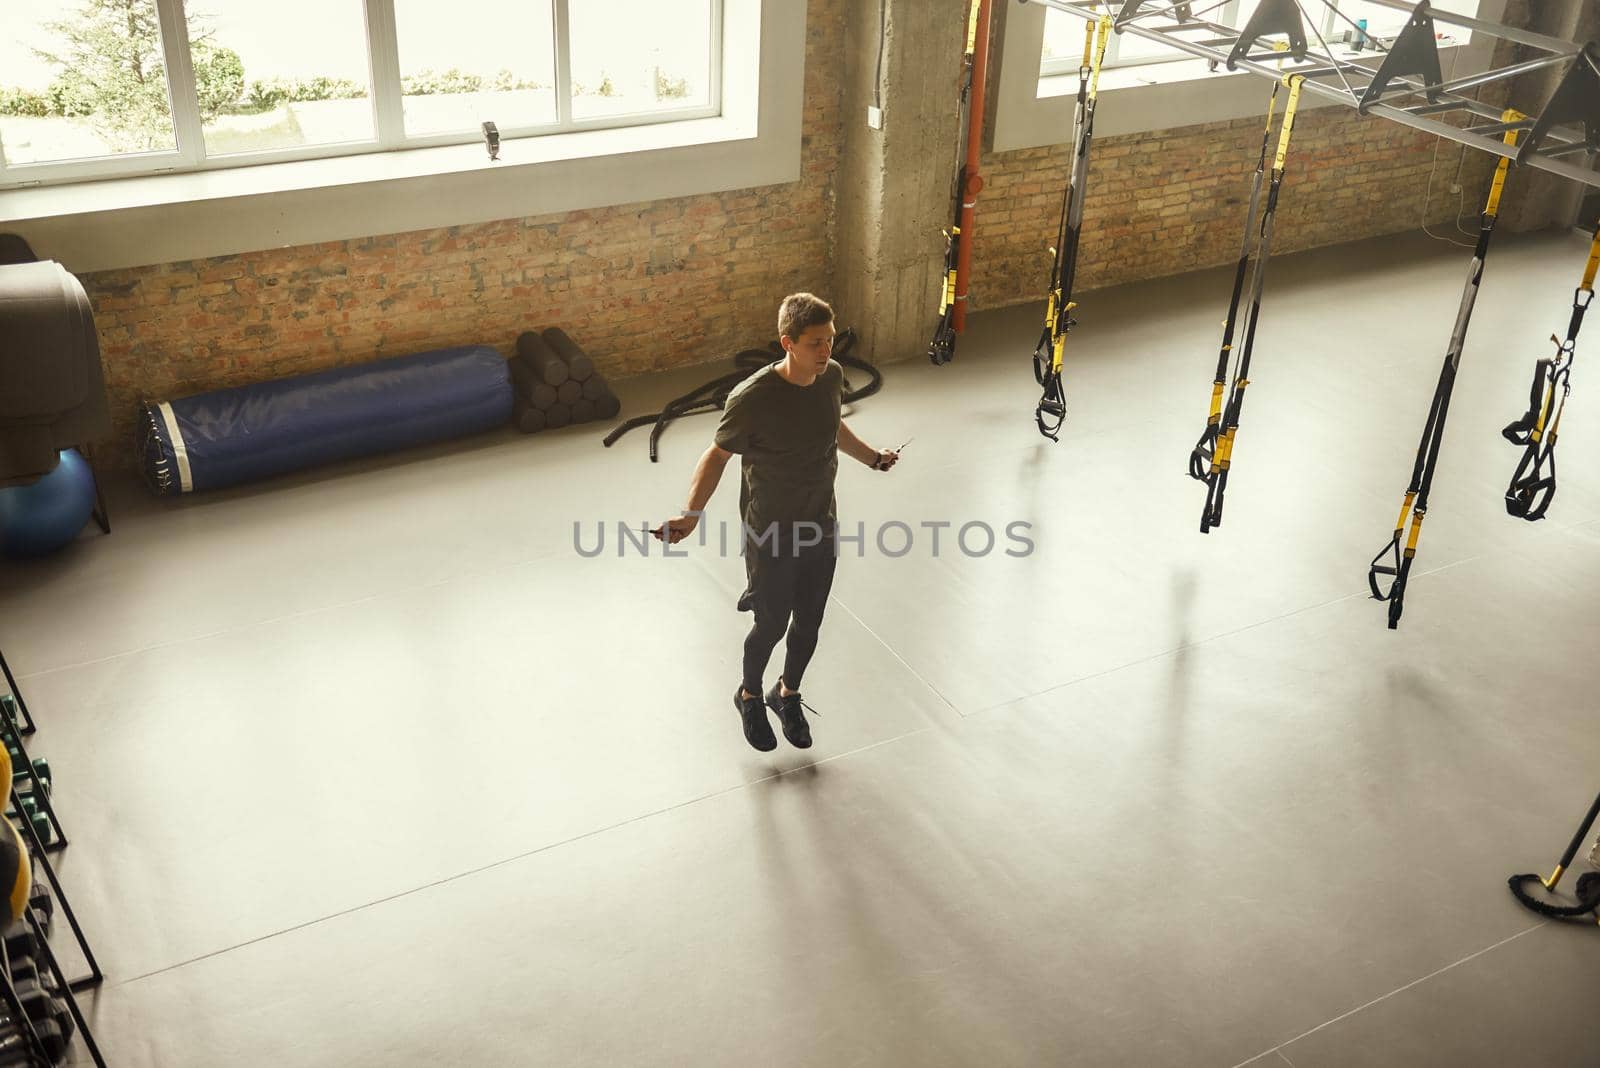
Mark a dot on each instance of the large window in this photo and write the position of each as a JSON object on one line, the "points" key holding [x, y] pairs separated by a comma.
{"points": [[1346, 25], [100, 88]]}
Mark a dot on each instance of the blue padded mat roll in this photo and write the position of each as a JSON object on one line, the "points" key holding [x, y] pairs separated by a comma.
{"points": [[229, 436]]}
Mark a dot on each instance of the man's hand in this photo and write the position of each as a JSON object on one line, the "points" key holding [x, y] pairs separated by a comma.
{"points": [[861, 452], [678, 527]]}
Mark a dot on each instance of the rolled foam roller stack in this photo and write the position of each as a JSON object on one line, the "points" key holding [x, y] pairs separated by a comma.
{"points": [[556, 383]]}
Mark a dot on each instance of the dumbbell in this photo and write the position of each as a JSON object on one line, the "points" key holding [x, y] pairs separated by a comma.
{"points": [[40, 821], [41, 768]]}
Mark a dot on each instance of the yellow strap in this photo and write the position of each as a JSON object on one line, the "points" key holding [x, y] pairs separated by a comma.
{"points": [[1223, 457], [972, 27], [1216, 404], [1492, 209], [1544, 412], [1102, 34], [1294, 82], [1088, 42], [1272, 105], [1416, 532], [1594, 261], [1405, 510]]}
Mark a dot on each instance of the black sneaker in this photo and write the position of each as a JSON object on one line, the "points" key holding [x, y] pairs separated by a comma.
{"points": [[791, 713], [757, 731]]}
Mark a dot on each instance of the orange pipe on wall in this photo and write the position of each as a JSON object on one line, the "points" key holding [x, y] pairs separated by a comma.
{"points": [[974, 181]]}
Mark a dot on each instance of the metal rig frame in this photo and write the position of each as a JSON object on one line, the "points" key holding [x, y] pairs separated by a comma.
{"points": [[1406, 85]]}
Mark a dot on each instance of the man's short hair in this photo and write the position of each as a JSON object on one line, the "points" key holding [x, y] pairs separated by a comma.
{"points": [[800, 310]]}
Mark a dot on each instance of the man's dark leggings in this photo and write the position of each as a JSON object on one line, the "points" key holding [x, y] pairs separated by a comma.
{"points": [[785, 591]]}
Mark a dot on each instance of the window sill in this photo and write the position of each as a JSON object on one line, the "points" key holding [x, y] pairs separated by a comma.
{"points": [[366, 169], [150, 219]]}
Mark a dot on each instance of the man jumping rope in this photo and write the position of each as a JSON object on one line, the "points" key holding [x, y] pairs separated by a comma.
{"points": [[784, 421]]}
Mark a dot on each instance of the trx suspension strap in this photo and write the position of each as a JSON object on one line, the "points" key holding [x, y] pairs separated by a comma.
{"points": [[1047, 355], [1391, 563], [1533, 486], [958, 242], [1212, 456]]}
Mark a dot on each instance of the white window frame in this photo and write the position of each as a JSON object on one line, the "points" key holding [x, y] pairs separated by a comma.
{"points": [[384, 94]]}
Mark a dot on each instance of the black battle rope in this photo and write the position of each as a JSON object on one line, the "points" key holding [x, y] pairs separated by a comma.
{"points": [[1398, 566], [1212, 455], [943, 348], [714, 394], [1051, 411], [1588, 883], [1533, 485]]}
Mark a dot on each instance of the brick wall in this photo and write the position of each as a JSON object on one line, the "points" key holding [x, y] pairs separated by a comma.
{"points": [[1168, 201], [640, 286], [645, 286]]}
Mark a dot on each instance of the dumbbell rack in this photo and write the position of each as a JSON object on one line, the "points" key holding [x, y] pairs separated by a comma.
{"points": [[20, 1043], [16, 722]]}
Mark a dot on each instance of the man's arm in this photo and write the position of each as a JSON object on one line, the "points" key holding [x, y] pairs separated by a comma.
{"points": [[859, 450], [707, 473]]}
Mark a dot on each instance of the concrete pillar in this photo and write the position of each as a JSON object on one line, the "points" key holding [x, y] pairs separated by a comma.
{"points": [[894, 185]]}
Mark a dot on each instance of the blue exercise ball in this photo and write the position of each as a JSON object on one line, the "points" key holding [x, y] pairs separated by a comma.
{"points": [[43, 516]]}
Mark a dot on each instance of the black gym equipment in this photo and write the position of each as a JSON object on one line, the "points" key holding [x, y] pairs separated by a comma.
{"points": [[714, 394], [1414, 53], [1588, 883], [546, 365], [579, 365], [1270, 17], [554, 383], [1051, 411], [1533, 484], [1212, 457], [1393, 563]]}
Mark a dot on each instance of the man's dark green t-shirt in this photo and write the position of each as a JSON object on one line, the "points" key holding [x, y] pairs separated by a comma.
{"points": [[788, 436]]}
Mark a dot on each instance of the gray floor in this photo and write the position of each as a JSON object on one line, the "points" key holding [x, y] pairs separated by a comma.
{"points": [[369, 767]]}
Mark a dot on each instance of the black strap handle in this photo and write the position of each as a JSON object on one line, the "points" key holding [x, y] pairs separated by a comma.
{"points": [[1520, 432], [1051, 412], [1529, 498], [1390, 571], [1042, 355], [1204, 451], [1397, 572]]}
